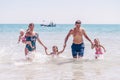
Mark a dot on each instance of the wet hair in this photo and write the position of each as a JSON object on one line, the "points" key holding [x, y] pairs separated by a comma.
{"points": [[28, 30], [78, 22], [55, 47], [31, 24]]}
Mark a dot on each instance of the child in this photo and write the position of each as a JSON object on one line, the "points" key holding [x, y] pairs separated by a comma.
{"points": [[22, 37], [55, 51], [98, 47]]}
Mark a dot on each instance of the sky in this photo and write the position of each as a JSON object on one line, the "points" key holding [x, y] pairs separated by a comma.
{"points": [[60, 11]]}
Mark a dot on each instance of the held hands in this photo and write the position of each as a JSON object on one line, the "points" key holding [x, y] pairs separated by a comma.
{"points": [[64, 46], [92, 45], [46, 50], [63, 49]]}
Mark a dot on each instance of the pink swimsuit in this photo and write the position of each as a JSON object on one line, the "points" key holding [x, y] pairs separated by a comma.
{"points": [[98, 50]]}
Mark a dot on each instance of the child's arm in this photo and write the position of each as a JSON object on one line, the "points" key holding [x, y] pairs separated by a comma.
{"points": [[61, 51], [103, 48], [19, 39]]}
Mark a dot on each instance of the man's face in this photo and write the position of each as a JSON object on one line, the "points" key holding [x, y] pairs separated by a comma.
{"points": [[78, 24]]}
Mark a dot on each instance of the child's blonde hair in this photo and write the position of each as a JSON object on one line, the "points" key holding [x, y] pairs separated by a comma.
{"points": [[21, 30], [96, 39]]}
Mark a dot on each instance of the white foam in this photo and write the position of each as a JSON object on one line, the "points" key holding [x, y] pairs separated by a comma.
{"points": [[30, 56], [21, 63]]}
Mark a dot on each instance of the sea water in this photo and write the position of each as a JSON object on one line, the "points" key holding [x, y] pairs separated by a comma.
{"points": [[13, 65]]}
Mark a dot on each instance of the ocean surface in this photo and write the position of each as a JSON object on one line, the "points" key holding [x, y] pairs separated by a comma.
{"points": [[13, 65]]}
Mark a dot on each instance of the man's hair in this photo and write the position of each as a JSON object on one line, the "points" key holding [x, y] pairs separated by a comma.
{"points": [[78, 22]]}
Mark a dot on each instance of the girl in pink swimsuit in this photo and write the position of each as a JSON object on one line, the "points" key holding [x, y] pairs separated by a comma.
{"points": [[98, 49], [22, 38]]}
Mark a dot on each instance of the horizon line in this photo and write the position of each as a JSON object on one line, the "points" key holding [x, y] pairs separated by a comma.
{"points": [[62, 23]]}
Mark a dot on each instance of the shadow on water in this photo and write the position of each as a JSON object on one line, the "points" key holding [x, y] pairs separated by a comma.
{"points": [[75, 61]]}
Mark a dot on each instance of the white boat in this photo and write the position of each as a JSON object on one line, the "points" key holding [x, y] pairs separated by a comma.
{"points": [[51, 24]]}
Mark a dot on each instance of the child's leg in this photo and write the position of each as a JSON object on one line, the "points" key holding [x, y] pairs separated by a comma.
{"points": [[96, 56]]}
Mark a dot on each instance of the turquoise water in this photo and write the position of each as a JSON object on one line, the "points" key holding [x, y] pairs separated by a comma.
{"points": [[61, 27], [99, 29], [64, 68]]}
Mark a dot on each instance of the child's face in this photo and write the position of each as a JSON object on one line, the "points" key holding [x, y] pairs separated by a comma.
{"points": [[96, 41], [21, 33], [55, 49]]}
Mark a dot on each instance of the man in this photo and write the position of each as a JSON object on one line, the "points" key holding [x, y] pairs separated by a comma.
{"points": [[78, 44]]}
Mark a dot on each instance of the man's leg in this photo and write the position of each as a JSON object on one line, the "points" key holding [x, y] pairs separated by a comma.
{"points": [[81, 53], [74, 53], [75, 57]]}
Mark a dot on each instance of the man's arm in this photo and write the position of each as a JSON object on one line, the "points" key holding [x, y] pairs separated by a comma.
{"points": [[85, 35], [66, 38]]}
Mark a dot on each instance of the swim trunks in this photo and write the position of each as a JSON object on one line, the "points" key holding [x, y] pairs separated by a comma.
{"points": [[77, 49]]}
